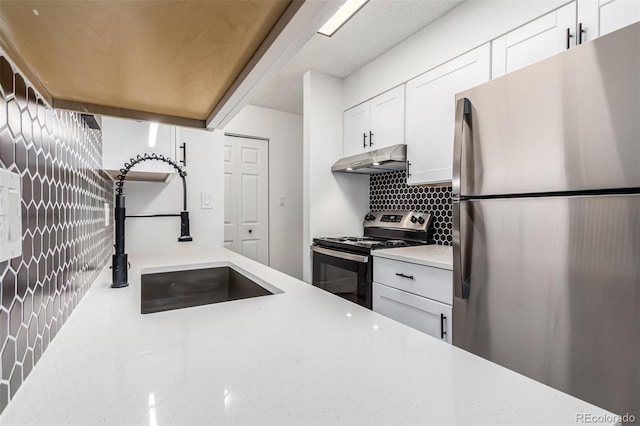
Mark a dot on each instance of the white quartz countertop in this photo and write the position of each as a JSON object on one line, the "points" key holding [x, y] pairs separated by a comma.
{"points": [[303, 356], [430, 255]]}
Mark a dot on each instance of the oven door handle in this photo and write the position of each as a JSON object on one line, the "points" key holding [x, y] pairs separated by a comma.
{"points": [[340, 254]]}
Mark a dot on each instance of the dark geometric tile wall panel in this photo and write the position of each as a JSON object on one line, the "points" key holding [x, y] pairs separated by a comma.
{"points": [[389, 191], [65, 242]]}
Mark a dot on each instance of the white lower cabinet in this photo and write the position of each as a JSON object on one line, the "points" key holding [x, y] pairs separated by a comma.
{"points": [[416, 295], [423, 314]]}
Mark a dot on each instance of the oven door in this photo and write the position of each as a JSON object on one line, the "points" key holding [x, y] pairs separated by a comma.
{"points": [[347, 275]]}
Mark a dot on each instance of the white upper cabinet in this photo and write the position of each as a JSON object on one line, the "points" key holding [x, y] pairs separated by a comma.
{"points": [[431, 111], [356, 129], [123, 139], [375, 124], [537, 40], [387, 119], [599, 17]]}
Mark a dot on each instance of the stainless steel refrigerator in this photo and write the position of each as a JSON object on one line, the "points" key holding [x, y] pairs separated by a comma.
{"points": [[547, 221]]}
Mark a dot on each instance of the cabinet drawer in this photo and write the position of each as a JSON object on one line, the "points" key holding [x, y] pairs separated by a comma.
{"points": [[434, 283], [418, 312]]}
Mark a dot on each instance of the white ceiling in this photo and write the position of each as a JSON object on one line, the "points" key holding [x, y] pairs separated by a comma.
{"points": [[376, 28]]}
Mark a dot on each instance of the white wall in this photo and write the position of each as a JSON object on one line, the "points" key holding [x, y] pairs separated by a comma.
{"points": [[284, 131], [205, 172], [473, 23], [334, 204]]}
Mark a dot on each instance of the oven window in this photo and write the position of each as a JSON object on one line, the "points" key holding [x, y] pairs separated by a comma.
{"points": [[344, 278]]}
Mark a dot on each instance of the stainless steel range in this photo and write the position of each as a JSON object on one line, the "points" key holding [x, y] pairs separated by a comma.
{"points": [[343, 265]]}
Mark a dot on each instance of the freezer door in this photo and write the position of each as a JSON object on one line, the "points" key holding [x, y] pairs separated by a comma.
{"points": [[554, 292], [568, 123]]}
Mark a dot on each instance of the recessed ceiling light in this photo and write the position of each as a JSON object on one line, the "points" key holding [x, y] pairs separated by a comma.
{"points": [[346, 11]]}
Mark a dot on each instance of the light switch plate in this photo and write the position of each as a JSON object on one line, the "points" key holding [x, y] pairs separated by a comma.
{"points": [[10, 215], [206, 200]]}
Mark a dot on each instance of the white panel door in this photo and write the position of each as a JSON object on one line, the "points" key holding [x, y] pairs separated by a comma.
{"points": [[356, 130], [431, 111], [532, 42], [387, 119], [247, 197], [600, 17], [230, 191]]}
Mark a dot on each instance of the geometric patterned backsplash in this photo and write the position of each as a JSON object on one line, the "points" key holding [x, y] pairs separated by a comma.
{"points": [[65, 242], [389, 191]]}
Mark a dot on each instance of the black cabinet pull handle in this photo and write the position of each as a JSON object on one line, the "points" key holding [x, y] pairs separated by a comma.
{"points": [[370, 138], [569, 35], [364, 140], [443, 333], [408, 169], [183, 147], [580, 31], [400, 274]]}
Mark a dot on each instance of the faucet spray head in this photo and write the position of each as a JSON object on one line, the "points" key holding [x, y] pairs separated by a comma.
{"points": [[185, 233]]}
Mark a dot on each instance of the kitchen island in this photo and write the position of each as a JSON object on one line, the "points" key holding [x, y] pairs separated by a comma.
{"points": [[302, 356]]}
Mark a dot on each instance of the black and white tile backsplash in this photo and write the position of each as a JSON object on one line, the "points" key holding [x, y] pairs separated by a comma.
{"points": [[389, 191], [65, 242]]}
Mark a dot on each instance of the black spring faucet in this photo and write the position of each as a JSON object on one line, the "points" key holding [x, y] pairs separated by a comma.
{"points": [[120, 262]]}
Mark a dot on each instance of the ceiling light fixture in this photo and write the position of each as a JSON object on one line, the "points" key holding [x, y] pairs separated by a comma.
{"points": [[153, 133], [346, 11]]}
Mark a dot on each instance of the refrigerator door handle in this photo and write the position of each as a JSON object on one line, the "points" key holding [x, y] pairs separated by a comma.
{"points": [[461, 283], [463, 119], [461, 140]]}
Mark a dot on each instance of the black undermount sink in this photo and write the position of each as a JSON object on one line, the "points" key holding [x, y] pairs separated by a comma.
{"points": [[183, 289]]}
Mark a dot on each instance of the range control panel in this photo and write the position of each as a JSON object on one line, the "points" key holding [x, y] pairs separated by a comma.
{"points": [[391, 218], [419, 221]]}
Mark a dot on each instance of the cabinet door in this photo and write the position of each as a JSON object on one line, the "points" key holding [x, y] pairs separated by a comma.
{"points": [[431, 111], [123, 139], [600, 17], [387, 119], [356, 129], [534, 41], [423, 314]]}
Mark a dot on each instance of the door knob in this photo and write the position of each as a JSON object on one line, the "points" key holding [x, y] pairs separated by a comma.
{"points": [[250, 230]]}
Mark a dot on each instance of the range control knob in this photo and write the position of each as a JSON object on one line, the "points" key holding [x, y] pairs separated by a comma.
{"points": [[414, 219], [369, 217], [421, 220]]}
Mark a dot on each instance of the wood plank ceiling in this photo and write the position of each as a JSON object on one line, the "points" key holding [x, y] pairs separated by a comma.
{"points": [[155, 59]]}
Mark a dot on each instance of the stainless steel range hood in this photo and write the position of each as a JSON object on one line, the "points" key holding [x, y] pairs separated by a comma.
{"points": [[379, 161]]}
